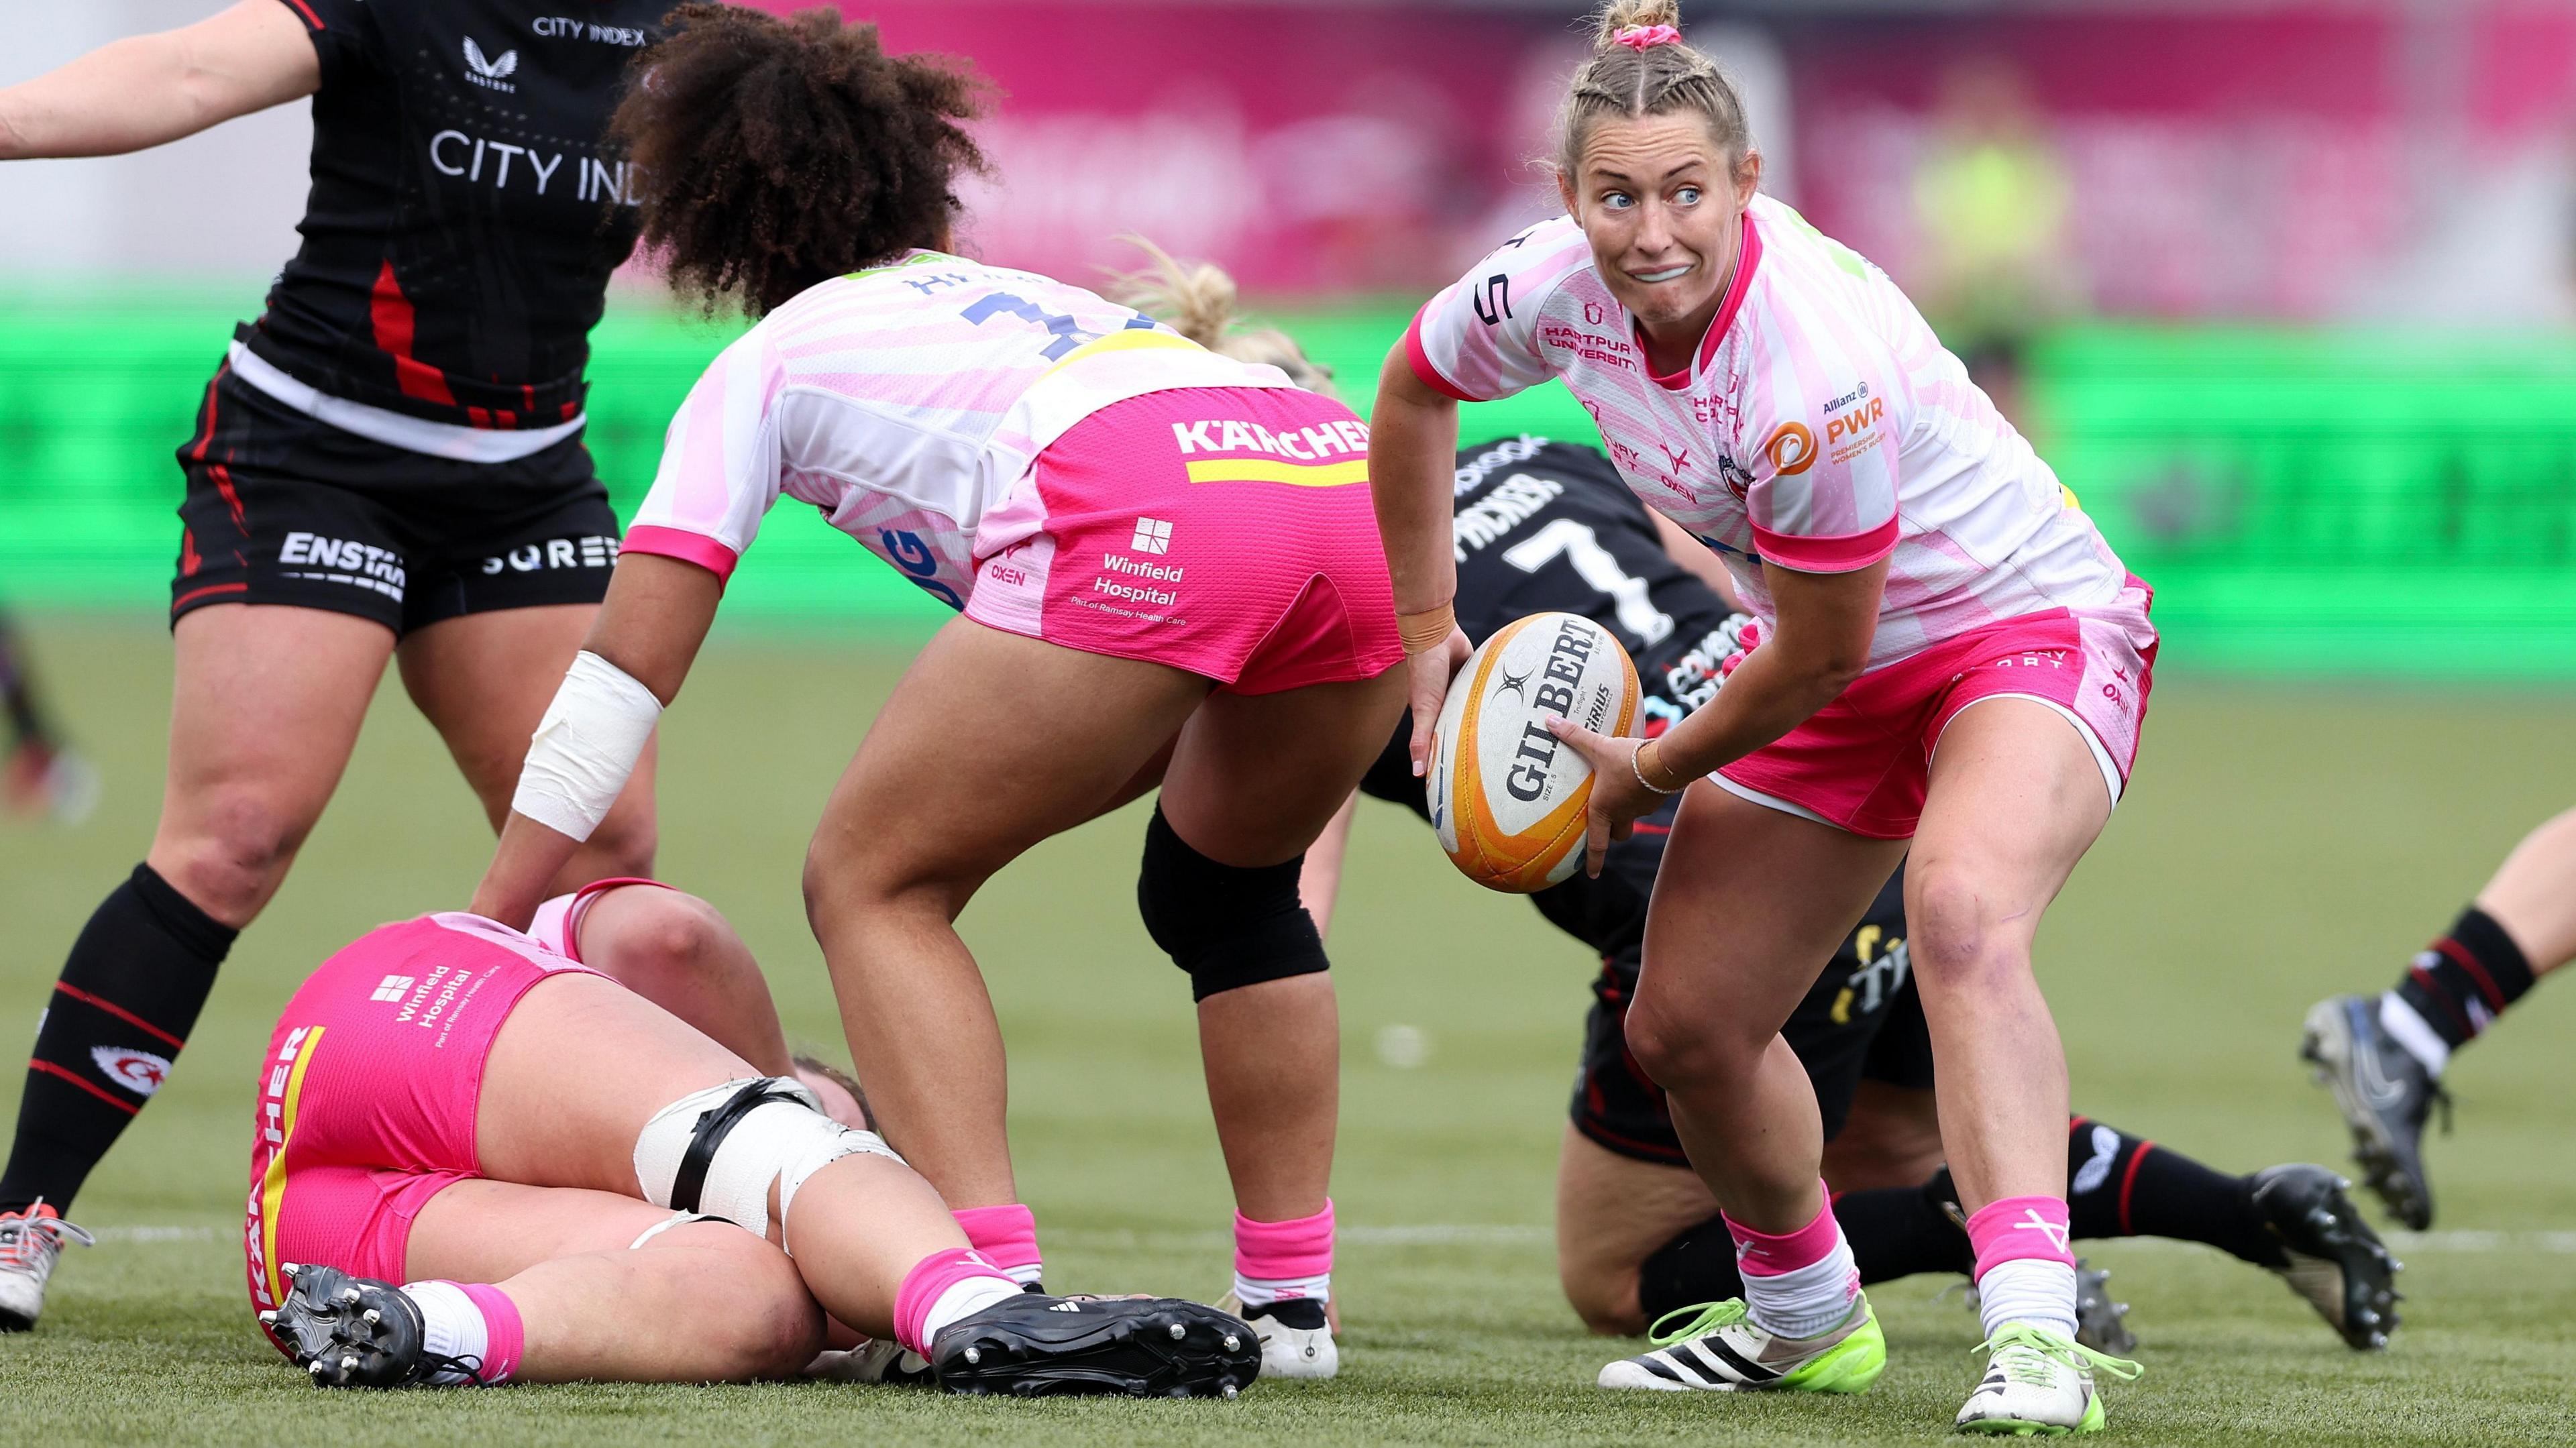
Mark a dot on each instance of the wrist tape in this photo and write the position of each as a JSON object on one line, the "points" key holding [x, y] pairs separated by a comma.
{"points": [[585, 747]]}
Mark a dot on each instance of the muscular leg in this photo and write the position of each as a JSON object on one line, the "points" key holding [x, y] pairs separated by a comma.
{"points": [[1253, 782], [1749, 899], [484, 680], [264, 710], [702, 1302], [265, 707], [580, 1067], [2533, 896], [924, 814], [2015, 800], [678, 952]]}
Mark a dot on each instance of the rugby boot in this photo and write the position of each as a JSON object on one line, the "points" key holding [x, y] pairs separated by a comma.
{"points": [[2334, 1261], [1721, 1351], [878, 1360], [2038, 1382], [2385, 1095], [1296, 1336], [355, 1332], [2100, 1323], [30, 1241], [1143, 1347]]}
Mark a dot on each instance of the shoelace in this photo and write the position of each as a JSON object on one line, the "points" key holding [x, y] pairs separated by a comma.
{"points": [[2038, 1347], [1711, 1317], [19, 1230]]}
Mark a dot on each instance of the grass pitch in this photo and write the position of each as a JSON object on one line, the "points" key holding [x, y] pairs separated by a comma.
{"points": [[2279, 844]]}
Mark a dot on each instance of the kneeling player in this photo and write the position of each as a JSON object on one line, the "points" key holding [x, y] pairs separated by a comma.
{"points": [[575, 1184], [1544, 526]]}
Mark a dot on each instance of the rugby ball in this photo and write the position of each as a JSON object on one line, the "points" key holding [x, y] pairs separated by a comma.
{"points": [[1506, 795]]}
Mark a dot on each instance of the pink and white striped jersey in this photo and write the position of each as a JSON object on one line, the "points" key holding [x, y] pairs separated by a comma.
{"points": [[906, 402], [1821, 426]]}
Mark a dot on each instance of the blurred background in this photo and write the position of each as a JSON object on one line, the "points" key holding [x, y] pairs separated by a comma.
{"points": [[2283, 289]]}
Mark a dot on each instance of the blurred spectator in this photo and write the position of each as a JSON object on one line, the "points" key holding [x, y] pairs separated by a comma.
{"points": [[1991, 195]]}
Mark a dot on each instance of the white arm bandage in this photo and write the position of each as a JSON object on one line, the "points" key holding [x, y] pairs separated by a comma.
{"points": [[585, 747]]}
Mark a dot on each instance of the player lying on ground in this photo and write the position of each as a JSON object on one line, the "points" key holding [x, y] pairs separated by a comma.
{"points": [[1549, 527], [1166, 570], [2384, 1055], [572, 1183]]}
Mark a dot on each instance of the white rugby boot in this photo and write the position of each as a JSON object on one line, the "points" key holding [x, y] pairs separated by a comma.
{"points": [[1719, 1350], [2038, 1382], [1296, 1336], [30, 1241]]}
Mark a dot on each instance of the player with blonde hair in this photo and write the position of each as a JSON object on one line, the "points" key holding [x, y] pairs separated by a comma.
{"points": [[1950, 656]]}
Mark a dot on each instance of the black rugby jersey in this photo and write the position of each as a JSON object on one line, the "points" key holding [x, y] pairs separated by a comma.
{"points": [[1549, 527], [464, 218]]}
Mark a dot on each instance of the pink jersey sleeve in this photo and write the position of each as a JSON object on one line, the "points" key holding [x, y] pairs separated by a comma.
{"points": [[720, 463], [1478, 340], [1828, 405]]}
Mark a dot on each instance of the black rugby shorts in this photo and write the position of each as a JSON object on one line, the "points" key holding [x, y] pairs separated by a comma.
{"points": [[283, 509]]}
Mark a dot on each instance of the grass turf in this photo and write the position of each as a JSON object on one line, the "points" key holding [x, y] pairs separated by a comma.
{"points": [[2279, 844]]}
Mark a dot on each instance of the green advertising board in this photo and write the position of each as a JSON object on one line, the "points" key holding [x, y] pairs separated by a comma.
{"points": [[2342, 503]]}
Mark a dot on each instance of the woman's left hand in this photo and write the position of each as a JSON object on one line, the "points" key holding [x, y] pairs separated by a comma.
{"points": [[1619, 798]]}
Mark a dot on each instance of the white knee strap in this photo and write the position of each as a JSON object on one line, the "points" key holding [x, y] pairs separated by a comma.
{"points": [[733, 1141]]}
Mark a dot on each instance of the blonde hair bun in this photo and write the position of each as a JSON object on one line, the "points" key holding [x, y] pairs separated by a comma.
{"points": [[1621, 15]]}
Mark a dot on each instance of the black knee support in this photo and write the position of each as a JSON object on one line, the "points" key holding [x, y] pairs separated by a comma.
{"points": [[1227, 927]]}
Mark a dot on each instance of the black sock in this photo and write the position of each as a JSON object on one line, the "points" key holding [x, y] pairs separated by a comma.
{"points": [[1893, 1233], [1899, 1231], [136, 979], [1694, 1267], [2118, 1185], [2463, 981]]}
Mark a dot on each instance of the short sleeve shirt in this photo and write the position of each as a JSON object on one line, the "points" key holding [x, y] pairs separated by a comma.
{"points": [[465, 213], [1820, 426], [906, 403]]}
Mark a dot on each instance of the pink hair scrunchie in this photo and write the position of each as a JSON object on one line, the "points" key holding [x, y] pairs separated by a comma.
{"points": [[1647, 37]]}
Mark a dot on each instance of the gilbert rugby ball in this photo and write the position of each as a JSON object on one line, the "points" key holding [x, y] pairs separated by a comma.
{"points": [[1506, 795]]}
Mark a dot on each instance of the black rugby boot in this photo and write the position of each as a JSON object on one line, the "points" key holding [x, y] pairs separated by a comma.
{"points": [[2385, 1095], [1035, 1346], [2334, 1261], [354, 1332]]}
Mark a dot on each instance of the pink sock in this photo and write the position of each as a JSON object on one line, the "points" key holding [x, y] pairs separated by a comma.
{"points": [[1801, 1283], [2017, 1228], [2025, 1274], [1008, 1238], [1276, 1260], [927, 1286], [1761, 1254], [505, 1337]]}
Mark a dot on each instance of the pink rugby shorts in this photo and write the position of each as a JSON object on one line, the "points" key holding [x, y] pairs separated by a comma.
{"points": [[368, 1092], [1863, 761], [1222, 530]]}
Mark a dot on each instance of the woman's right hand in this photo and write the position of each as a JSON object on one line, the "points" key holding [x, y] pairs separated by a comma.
{"points": [[1432, 669]]}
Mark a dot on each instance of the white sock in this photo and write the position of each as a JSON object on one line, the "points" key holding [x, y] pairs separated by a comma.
{"points": [[2031, 1291], [1263, 1291], [1026, 1273], [2408, 1028], [451, 1326], [965, 1299], [1809, 1301]]}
